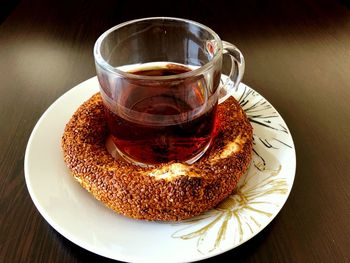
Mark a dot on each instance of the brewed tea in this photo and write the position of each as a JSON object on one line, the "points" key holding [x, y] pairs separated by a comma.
{"points": [[146, 138]]}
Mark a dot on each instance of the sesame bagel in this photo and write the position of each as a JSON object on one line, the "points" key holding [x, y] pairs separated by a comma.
{"points": [[170, 192]]}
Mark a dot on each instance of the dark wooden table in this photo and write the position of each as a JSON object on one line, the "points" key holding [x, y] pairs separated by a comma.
{"points": [[297, 55]]}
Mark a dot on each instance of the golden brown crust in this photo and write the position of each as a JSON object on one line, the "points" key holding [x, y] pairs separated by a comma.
{"points": [[171, 191]]}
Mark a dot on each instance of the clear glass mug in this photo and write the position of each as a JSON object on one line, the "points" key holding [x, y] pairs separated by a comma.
{"points": [[160, 83]]}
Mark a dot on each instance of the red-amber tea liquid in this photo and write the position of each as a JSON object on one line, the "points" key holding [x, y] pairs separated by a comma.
{"points": [[153, 142]]}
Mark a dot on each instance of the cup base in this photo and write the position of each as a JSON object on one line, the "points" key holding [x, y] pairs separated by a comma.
{"points": [[117, 154]]}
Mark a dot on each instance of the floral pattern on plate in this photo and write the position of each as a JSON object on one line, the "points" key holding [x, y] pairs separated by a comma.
{"points": [[260, 192]]}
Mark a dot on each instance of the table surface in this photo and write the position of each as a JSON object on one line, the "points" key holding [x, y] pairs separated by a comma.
{"points": [[297, 56]]}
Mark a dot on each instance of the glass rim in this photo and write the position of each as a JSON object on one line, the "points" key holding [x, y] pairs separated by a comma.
{"points": [[106, 66]]}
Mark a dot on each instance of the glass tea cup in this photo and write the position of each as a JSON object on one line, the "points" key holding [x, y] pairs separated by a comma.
{"points": [[160, 84]]}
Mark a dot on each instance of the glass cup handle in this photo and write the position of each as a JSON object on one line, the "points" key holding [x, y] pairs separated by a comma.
{"points": [[236, 73]]}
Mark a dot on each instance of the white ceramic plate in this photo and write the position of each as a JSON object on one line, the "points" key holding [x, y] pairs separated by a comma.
{"points": [[75, 214]]}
